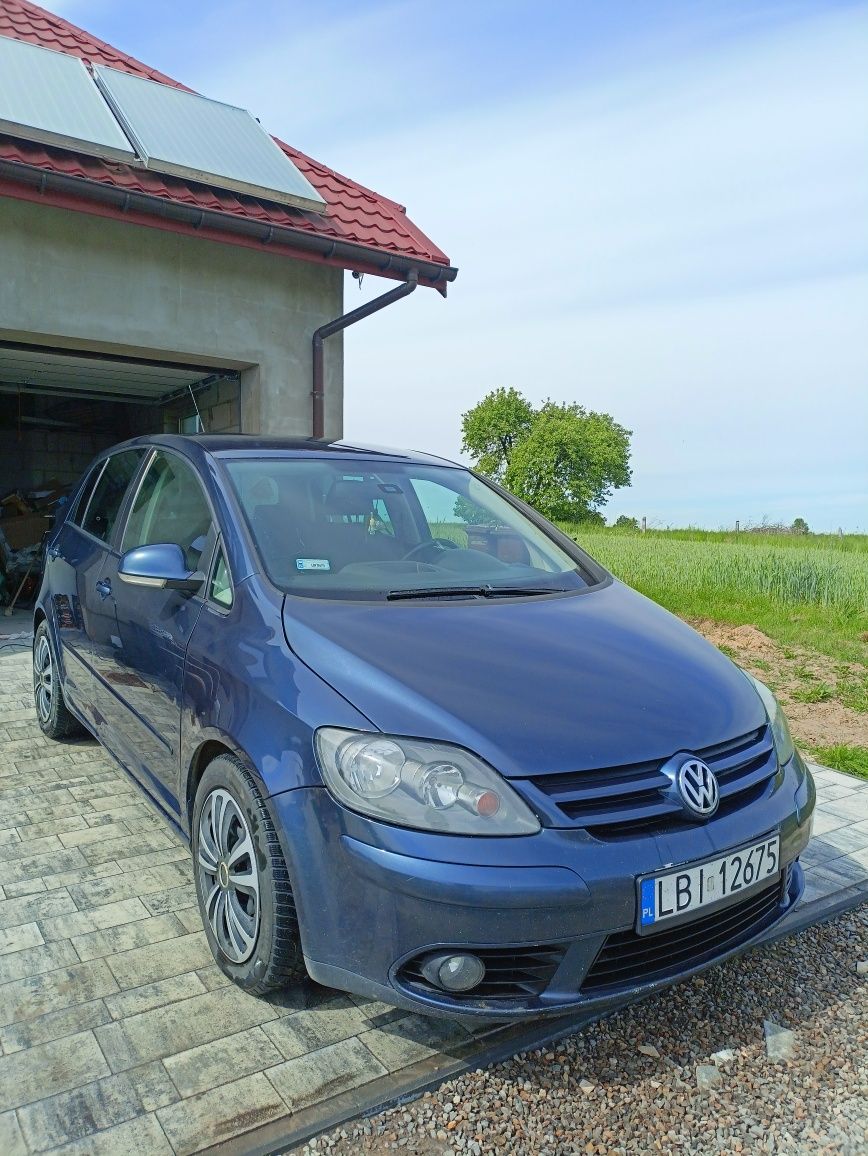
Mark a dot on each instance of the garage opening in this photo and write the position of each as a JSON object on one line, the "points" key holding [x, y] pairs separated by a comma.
{"points": [[60, 407]]}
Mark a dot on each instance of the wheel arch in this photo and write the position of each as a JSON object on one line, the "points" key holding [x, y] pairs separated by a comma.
{"points": [[207, 751]]}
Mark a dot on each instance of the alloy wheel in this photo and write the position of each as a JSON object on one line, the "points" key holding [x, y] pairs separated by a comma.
{"points": [[228, 876], [43, 678]]}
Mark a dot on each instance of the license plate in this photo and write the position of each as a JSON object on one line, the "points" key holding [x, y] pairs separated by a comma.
{"points": [[692, 888]]}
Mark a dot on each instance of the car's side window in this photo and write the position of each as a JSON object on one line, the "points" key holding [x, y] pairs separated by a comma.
{"points": [[220, 588], [171, 507], [108, 496], [76, 514]]}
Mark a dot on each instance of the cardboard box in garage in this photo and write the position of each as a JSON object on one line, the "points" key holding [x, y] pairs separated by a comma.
{"points": [[24, 530]]}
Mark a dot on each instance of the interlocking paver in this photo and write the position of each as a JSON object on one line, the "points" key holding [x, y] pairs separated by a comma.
{"points": [[66, 926], [50, 1068], [306, 1031], [52, 863], [81, 875], [412, 1038], [18, 938], [25, 999], [30, 848], [36, 907], [53, 1025], [141, 933], [101, 834], [847, 839], [220, 1114], [36, 960], [853, 807], [154, 995], [153, 1085], [330, 1070], [165, 1031], [25, 887], [11, 1140], [171, 854], [156, 961], [55, 826], [74, 1115], [206, 1066], [121, 886], [173, 899], [142, 1136]]}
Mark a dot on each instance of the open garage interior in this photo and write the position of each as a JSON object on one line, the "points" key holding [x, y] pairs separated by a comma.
{"points": [[60, 407]]}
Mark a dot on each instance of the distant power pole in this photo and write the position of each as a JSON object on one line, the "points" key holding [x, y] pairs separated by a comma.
{"points": [[736, 526], [644, 523]]}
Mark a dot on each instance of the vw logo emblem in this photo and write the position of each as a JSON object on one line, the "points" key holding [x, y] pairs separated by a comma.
{"points": [[698, 788]]}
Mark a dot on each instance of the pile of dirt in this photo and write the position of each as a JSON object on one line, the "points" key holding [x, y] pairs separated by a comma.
{"points": [[789, 671]]}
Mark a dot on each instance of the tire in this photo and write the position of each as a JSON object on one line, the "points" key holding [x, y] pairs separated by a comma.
{"points": [[54, 717], [252, 928]]}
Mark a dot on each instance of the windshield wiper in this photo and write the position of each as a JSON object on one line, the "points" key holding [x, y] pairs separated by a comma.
{"points": [[517, 591], [438, 592], [472, 592]]}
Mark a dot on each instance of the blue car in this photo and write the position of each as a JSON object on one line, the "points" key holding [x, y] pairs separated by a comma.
{"points": [[423, 747]]}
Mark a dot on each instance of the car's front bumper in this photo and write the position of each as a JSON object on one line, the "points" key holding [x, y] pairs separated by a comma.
{"points": [[373, 898]]}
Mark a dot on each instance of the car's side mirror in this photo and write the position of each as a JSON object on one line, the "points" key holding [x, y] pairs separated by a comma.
{"points": [[162, 565]]}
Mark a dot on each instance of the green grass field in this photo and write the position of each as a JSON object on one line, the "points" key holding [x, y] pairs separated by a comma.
{"points": [[800, 590]]}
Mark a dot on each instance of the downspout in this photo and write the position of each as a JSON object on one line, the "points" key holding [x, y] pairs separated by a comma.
{"points": [[339, 323]]}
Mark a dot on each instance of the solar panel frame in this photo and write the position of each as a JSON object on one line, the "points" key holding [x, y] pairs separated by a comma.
{"points": [[180, 133], [49, 97]]}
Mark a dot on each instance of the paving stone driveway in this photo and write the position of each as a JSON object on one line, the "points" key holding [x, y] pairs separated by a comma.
{"points": [[117, 1032]]}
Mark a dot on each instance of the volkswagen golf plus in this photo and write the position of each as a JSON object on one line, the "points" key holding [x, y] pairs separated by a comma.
{"points": [[423, 747]]}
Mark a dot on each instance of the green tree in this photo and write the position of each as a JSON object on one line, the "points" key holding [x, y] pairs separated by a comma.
{"points": [[799, 526], [492, 428], [563, 460], [626, 523]]}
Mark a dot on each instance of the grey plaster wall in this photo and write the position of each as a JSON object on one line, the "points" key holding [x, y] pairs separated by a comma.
{"points": [[73, 279]]}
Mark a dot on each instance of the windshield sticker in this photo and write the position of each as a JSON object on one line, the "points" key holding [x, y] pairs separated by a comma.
{"points": [[312, 564]]}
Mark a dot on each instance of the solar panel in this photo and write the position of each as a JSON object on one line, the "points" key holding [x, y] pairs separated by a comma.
{"points": [[50, 98], [187, 135]]}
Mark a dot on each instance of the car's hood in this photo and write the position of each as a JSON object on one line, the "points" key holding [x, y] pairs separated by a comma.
{"points": [[537, 685]]}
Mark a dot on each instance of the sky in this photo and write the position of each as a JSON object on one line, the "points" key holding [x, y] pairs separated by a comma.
{"points": [[659, 209]]}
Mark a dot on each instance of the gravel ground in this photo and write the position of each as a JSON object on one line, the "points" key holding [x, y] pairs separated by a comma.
{"points": [[631, 1082]]}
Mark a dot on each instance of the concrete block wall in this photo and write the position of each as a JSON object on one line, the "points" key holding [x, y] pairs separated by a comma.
{"points": [[30, 458], [218, 407]]}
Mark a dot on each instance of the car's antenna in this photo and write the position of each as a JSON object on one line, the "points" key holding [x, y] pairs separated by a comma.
{"points": [[198, 415]]}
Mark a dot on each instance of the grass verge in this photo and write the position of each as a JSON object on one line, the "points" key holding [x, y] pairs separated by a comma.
{"points": [[853, 760]]}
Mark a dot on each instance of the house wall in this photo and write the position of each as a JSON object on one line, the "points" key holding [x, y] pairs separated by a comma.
{"points": [[82, 281]]}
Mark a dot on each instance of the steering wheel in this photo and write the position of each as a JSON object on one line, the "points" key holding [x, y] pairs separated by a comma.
{"points": [[432, 543]]}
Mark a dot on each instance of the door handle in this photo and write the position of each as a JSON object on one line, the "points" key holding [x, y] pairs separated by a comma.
{"points": [[53, 553], [103, 588]]}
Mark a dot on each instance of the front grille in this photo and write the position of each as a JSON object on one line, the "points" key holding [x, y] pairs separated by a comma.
{"points": [[627, 958], [618, 802], [510, 972]]}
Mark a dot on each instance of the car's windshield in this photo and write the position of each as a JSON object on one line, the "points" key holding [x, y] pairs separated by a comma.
{"points": [[363, 529]]}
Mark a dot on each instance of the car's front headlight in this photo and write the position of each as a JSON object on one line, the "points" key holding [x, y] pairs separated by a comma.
{"points": [[414, 783], [777, 721]]}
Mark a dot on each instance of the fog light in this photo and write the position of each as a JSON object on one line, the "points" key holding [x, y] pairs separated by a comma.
{"points": [[453, 972]]}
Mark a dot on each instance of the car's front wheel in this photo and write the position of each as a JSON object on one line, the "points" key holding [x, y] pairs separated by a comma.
{"points": [[54, 717], [242, 882]]}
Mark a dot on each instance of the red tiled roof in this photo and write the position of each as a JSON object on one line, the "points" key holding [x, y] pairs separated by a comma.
{"points": [[355, 215]]}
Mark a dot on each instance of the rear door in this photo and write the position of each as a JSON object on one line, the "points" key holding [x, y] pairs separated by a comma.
{"points": [[143, 669]]}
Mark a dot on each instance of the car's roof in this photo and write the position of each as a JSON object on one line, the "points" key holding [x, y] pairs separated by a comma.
{"points": [[252, 445]]}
